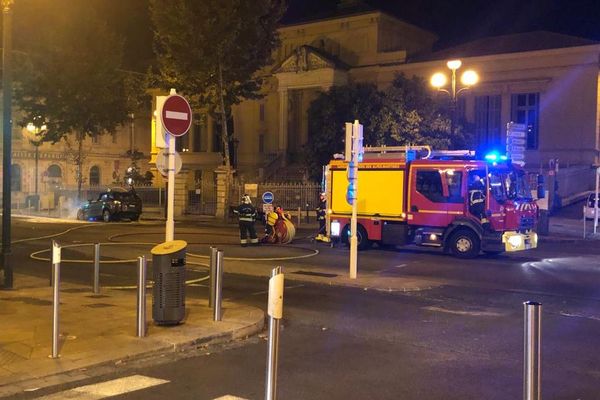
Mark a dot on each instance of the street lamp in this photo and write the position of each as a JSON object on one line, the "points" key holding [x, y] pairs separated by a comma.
{"points": [[35, 132], [439, 80], [7, 138]]}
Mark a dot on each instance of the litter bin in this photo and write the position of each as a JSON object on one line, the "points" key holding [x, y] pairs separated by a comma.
{"points": [[168, 271], [543, 225]]}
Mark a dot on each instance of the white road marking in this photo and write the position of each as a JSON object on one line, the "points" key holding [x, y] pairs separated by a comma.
{"points": [[177, 115], [460, 312], [103, 390], [229, 397]]}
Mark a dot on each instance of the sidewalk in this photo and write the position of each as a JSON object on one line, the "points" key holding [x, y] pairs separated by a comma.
{"points": [[97, 330]]}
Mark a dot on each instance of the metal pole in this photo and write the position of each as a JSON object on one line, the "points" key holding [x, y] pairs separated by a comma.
{"points": [[170, 228], [596, 199], [299, 215], [212, 274], [584, 223], [141, 297], [275, 311], [532, 344], [97, 268], [217, 315], [55, 298], [6, 139]]}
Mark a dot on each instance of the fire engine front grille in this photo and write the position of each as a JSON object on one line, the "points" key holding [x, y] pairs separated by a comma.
{"points": [[526, 223]]}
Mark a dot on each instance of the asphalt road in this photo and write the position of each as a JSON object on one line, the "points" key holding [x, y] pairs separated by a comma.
{"points": [[460, 337]]}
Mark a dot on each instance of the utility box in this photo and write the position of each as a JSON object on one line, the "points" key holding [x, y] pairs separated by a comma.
{"points": [[168, 271]]}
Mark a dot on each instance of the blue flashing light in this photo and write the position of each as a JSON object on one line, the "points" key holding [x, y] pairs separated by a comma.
{"points": [[494, 156]]}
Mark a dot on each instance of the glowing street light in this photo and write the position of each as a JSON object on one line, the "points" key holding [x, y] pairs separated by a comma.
{"points": [[35, 132], [439, 81]]}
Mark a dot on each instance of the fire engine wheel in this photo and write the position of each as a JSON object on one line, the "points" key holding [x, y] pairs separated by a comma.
{"points": [[361, 236], [464, 244]]}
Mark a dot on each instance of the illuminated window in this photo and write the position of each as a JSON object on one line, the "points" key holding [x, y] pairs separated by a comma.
{"points": [[525, 109], [15, 178], [95, 176]]}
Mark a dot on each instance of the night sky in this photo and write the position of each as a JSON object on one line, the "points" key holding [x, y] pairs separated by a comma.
{"points": [[454, 21]]}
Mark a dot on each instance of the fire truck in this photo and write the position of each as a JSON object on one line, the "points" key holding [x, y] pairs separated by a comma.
{"points": [[447, 199]]}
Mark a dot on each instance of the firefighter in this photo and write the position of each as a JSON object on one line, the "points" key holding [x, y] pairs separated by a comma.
{"points": [[477, 199], [321, 213], [246, 214], [271, 220]]}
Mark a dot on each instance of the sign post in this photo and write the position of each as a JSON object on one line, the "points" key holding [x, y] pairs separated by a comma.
{"points": [[516, 142], [176, 118], [354, 136]]}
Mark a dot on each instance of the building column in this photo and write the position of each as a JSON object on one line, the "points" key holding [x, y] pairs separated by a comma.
{"points": [[181, 193], [210, 134], [283, 121]]}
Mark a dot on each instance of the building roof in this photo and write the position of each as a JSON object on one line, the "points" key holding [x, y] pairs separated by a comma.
{"points": [[513, 43]]}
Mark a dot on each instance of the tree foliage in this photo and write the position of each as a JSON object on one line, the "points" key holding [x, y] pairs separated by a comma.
{"points": [[71, 74], [405, 113], [69, 77], [211, 50]]}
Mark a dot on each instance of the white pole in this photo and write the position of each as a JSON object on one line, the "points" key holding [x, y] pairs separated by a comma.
{"points": [[596, 201], [354, 174], [170, 228]]}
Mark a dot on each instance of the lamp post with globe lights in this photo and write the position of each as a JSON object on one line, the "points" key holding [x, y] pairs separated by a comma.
{"points": [[439, 81], [35, 132]]}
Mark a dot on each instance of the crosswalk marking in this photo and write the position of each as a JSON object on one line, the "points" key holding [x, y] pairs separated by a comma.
{"points": [[102, 390]]}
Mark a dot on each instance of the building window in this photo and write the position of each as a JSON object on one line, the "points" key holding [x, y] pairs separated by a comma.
{"points": [[261, 143], [94, 176], [182, 144], [261, 112], [15, 178], [114, 137], [429, 184], [96, 139], [488, 129], [197, 138], [525, 109]]}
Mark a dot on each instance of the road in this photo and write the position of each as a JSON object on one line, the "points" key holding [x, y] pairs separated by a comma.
{"points": [[456, 334]]}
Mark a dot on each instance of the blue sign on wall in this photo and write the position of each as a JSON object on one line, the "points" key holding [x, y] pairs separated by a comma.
{"points": [[267, 197]]}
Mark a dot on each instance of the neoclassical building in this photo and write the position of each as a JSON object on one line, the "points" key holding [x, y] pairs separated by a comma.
{"points": [[547, 81]]}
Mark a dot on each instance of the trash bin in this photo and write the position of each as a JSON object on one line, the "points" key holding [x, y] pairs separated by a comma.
{"points": [[168, 271]]}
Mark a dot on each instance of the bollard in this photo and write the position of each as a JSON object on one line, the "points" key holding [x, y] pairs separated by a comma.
{"points": [[275, 311], [141, 297], [584, 221], [55, 297], [299, 216], [532, 345], [97, 268], [212, 273], [218, 287]]}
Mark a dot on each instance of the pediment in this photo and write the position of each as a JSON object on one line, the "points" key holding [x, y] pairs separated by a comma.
{"points": [[307, 58]]}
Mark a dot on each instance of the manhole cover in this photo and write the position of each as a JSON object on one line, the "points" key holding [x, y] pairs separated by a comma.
{"points": [[311, 273]]}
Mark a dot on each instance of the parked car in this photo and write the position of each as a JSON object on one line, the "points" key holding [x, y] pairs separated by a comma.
{"points": [[590, 208], [112, 205]]}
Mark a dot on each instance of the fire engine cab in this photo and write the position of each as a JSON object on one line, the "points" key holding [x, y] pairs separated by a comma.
{"points": [[440, 199]]}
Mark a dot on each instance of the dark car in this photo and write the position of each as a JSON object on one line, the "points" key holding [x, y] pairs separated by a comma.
{"points": [[112, 205]]}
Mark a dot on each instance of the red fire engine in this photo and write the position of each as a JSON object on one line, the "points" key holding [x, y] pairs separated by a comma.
{"points": [[444, 199]]}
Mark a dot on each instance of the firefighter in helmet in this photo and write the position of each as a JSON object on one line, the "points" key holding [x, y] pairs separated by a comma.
{"points": [[321, 215], [477, 199], [246, 215]]}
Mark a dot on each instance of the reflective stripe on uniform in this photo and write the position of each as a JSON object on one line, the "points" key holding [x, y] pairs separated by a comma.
{"points": [[255, 240], [247, 219], [243, 241]]}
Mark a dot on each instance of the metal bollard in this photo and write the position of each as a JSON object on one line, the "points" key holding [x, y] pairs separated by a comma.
{"points": [[217, 315], [141, 297], [306, 218], [275, 311], [212, 273], [299, 216], [55, 298], [584, 221], [97, 268], [532, 345]]}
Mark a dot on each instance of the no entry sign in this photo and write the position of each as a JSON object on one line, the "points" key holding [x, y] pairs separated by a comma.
{"points": [[176, 115]]}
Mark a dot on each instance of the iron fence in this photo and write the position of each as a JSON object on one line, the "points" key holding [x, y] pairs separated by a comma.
{"points": [[289, 195]]}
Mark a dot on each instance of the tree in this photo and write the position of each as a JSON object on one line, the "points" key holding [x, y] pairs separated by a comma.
{"points": [[403, 114], [212, 50], [71, 77]]}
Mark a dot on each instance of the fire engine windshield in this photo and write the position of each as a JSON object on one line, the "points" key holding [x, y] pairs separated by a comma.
{"points": [[509, 184]]}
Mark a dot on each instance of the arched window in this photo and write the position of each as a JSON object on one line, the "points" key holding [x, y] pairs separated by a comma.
{"points": [[15, 178], [54, 171], [95, 176]]}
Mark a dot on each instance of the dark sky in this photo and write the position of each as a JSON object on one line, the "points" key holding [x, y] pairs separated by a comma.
{"points": [[454, 21], [458, 21]]}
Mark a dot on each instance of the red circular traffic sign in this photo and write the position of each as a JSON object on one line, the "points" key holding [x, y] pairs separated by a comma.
{"points": [[176, 115]]}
